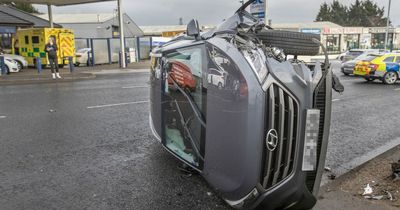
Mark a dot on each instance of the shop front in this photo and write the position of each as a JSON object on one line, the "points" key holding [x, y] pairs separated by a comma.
{"points": [[352, 37], [378, 36], [333, 39]]}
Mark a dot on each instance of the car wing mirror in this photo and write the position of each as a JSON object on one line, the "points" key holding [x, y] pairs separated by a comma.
{"points": [[193, 29]]}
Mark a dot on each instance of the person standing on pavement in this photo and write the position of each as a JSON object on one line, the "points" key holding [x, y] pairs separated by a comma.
{"points": [[51, 49]]}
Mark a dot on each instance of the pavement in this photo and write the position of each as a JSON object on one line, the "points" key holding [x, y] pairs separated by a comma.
{"points": [[31, 75], [86, 144]]}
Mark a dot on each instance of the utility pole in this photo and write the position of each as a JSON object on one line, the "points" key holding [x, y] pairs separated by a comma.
{"points": [[387, 26], [121, 34], [50, 13]]}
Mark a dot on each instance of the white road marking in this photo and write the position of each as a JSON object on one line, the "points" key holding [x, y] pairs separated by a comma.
{"points": [[3, 117], [131, 87], [337, 99], [397, 89], [119, 104]]}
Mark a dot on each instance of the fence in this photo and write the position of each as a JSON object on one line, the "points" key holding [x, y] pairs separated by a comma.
{"points": [[107, 50]]}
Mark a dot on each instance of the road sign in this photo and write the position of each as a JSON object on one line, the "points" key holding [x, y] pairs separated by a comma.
{"points": [[257, 8]]}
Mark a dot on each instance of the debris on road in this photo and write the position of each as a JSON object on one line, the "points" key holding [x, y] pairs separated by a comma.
{"points": [[52, 110], [328, 169], [332, 176], [367, 190], [396, 171], [376, 176], [389, 195]]}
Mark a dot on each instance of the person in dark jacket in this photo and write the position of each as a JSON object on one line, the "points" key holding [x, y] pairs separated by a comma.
{"points": [[51, 49]]}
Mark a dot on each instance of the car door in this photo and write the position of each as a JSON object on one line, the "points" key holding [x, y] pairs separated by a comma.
{"points": [[184, 104], [390, 65]]}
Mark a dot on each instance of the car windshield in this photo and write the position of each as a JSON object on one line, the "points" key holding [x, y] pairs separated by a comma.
{"points": [[362, 56], [355, 53], [370, 57]]}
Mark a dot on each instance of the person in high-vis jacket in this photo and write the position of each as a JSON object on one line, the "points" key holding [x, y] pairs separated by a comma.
{"points": [[51, 49]]}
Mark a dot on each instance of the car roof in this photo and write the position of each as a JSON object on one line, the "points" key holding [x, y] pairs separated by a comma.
{"points": [[391, 54]]}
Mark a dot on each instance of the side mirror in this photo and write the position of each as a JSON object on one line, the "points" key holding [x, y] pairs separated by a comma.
{"points": [[193, 29]]}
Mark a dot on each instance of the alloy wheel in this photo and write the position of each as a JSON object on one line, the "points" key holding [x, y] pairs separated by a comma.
{"points": [[390, 77]]}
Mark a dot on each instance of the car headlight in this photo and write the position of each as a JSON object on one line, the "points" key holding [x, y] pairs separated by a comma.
{"points": [[257, 60]]}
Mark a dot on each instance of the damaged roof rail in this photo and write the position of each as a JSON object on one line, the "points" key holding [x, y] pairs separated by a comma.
{"points": [[245, 5]]}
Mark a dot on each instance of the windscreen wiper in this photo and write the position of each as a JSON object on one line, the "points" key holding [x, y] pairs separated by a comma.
{"points": [[336, 84]]}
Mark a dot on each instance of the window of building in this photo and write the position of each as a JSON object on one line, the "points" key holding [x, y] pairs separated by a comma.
{"points": [[333, 43], [26, 39], [35, 40]]}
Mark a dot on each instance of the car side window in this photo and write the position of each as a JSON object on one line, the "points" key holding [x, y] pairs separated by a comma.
{"points": [[398, 59], [389, 59]]}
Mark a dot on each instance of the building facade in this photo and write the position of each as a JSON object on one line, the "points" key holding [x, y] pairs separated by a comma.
{"points": [[12, 19], [338, 39]]}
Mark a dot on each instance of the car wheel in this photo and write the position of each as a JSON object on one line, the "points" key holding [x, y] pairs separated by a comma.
{"points": [[7, 69], [19, 65], [390, 77], [292, 43]]}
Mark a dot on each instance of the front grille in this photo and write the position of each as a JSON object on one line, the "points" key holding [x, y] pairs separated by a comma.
{"points": [[319, 103], [282, 115]]}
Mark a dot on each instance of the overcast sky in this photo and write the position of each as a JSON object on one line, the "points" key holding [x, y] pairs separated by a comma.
{"points": [[168, 12]]}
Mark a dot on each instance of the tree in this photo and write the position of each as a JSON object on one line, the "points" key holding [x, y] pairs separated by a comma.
{"points": [[339, 13], [27, 7], [363, 13], [324, 12], [356, 13]]}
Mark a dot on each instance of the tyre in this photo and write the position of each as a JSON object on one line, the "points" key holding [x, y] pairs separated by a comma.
{"points": [[19, 65], [7, 69], [390, 77], [292, 43]]}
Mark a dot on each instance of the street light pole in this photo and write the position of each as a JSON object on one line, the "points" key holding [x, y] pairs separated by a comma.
{"points": [[121, 34], [387, 26], [50, 13]]}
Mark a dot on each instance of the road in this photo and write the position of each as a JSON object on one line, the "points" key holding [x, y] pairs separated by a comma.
{"points": [[87, 144]]}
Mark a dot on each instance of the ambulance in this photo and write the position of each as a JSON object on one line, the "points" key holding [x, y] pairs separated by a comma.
{"points": [[31, 44]]}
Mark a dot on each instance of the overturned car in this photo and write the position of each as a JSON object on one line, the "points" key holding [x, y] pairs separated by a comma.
{"points": [[230, 104]]}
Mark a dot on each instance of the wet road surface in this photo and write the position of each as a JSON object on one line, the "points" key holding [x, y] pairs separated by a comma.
{"points": [[87, 144]]}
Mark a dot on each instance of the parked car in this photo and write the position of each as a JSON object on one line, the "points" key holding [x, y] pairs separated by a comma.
{"points": [[384, 67], [216, 78], [82, 56], [21, 61], [260, 140], [11, 66], [353, 53], [348, 67]]}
